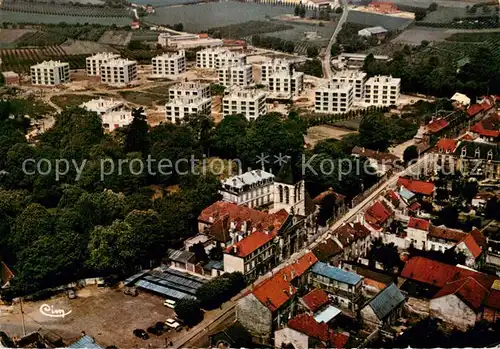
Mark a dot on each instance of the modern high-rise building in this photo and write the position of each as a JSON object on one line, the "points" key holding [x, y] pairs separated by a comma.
{"points": [[354, 77], [177, 109], [285, 82], [235, 75], [189, 89], [270, 67]]}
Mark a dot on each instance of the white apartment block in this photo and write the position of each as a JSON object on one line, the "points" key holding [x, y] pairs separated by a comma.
{"points": [[187, 40], [229, 58], [354, 77], [118, 72], [249, 103], [180, 107], [252, 189], [334, 98], [189, 89], [207, 58], [50, 73], [93, 63], [382, 90], [102, 106], [288, 83], [169, 64], [270, 67], [111, 111], [236, 75]]}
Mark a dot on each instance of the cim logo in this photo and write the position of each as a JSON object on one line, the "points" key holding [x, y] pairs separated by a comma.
{"points": [[48, 310]]}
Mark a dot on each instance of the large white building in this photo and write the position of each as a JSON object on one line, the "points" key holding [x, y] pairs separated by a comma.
{"points": [[334, 98], [118, 72], [169, 64], [382, 90], [187, 40], [354, 77], [207, 58], [50, 73], [93, 63], [111, 111], [180, 107], [249, 103], [229, 58], [252, 189], [269, 67], [235, 75], [286, 83], [189, 89]]}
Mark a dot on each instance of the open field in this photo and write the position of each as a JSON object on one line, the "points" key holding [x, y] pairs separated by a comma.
{"points": [[77, 47], [63, 9], [415, 36], [460, 45], [115, 37], [239, 31], [71, 100], [143, 98], [160, 89], [322, 132], [10, 36], [106, 314]]}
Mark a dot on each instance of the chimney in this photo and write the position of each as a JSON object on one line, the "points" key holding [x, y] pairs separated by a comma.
{"points": [[291, 290], [235, 249]]}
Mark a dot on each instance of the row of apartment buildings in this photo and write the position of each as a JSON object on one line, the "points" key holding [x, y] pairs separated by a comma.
{"points": [[350, 87]]}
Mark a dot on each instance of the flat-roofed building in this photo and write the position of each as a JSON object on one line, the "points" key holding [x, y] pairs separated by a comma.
{"points": [[382, 90], [354, 77], [169, 64], [249, 103], [334, 98], [50, 73], [207, 58], [112, 112], [93, 63], [286, 83], [270, 67], [189, 89], [187, 41], [229, 58], [177, 109], [118, 72], [235, 75]]}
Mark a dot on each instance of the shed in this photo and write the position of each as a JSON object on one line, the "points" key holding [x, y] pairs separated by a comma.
{"points": [[383, 309], [11, 78]]}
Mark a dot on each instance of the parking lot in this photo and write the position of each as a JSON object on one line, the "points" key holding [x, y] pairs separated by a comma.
{"points": [[106, 314]]}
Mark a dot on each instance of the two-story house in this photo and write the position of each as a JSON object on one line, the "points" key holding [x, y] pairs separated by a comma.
{"points": [[478, 159], [252, 189]]}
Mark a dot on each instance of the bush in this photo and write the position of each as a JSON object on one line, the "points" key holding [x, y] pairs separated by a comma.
{"points": [[188, 309], [220, 289]]}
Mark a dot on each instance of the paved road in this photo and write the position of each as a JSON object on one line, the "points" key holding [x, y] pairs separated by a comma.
{"points": [[230, 310], [327, 69]]}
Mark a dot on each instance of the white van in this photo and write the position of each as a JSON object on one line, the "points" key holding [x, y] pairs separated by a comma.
{"points": [[169, 303]]}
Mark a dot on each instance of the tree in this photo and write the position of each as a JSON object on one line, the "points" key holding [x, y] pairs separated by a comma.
{"points": [[386, 254], [312, 51], [199, 252], [492, 209], [374, 132], [217, 89], [469, 189], [220, 289], [188, 309], [297, 10], [302, 11], [137, 133], [448, 216], [420, 15], [432, 7], [410, 153]]}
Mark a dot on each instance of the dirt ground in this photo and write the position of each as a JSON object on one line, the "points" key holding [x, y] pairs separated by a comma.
{"points": [[8, 36], [75, 47], [319, 133], [106, 314]]}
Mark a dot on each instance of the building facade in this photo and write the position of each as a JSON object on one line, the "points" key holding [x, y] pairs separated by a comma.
{"points": [[286, 83], [249, 103], [207, 58], [189, 89], [252, 189], [334, 98], [50, 73], [235, 75], [118, 72], [93, 63], [177, 109], [382, 90], [228, 58], [354, 77], [169, 64], [270, 67]]}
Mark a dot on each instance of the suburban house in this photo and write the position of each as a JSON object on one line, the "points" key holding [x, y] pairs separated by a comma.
{"points": [[378, 216], [420, 188], [304, 332], [344, 286], [384, 309], [273, 302]]}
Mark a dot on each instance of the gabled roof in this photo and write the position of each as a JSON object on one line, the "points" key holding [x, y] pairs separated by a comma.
{"points": [[388, 158], [418, 223], [493, 299], [180, 256], [336, 274], [250, 244], [436, 125], [414, 206], [315, 299], [472, 246], [392, 197], [277, 290], [444, 233], [327, 249], [386, 301], [481, 149], [318, 200], [247, 179], [489, 127], [474, 109], [416, 186], [305, 323], [469, 290], [478, 237], [378, 214], [446, 145]]}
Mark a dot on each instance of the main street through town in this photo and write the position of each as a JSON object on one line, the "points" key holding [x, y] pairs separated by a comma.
{"points": [[327, 69], [229, 309]]}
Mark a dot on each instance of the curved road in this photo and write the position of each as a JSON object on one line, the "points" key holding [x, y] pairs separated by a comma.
{"points": [[327, 69]]}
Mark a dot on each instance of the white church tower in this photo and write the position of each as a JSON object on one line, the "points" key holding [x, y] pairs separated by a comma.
{"points": [[289, 190]]}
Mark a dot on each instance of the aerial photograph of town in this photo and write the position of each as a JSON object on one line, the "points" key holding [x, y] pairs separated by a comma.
{"points": [[286, 174]]}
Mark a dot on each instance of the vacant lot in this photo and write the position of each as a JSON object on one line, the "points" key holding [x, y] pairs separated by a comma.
{"points": [[319, 133], [105, 314], [416, 35], [143, 98], [71, 100], [77, 47]]}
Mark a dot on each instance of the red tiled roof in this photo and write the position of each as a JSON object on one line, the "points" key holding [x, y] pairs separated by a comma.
{"points": [[417, 223], [378, 214], [446, 145], [469, 290], [250, 244], [361, 231], [414, 207], [447, 234], [474, 109], [493, 299], [489, 127], [277, 290], [466, 137], [392, 197], [416, 186], [236, 212], [305, 323], [472, 246], [436, 125], [479, 129], [327, 249], [315, 299], [478, 237]]}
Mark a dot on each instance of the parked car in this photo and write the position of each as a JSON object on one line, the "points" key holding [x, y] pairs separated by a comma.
{"points": [[161, 326], [169, 303], [141, 334], [131, 291], [71, 294], [154, 330], [172, 323]]}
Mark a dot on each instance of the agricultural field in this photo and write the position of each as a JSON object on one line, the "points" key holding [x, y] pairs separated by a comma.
{"points": [[145, 35], [8, 37], [239, 31], [20, 60], [50, 35], [64, 9], [115, 37], [70, 100], [416, 35], [461, 45]]}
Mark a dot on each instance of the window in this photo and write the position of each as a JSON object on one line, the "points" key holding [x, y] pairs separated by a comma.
{"points": [[287, 195], [280, 191]]}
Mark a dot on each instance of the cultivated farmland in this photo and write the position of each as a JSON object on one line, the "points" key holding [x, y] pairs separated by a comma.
{"points": [[63, 9]]}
